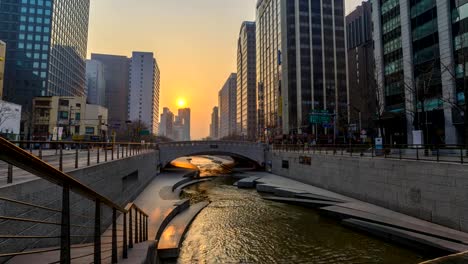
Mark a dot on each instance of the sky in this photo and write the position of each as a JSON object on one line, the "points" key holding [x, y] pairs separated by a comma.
{"points": [[194, 42]]}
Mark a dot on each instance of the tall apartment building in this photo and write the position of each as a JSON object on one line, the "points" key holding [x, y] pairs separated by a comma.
{"points": [[46, 48], [246, 82], [95, 83], [214, 126], [166, 124], [116, 75], [301, 65], [421, 69], [184, 122], [362, 94], [143, 101], [227, 107], [2, 66]]}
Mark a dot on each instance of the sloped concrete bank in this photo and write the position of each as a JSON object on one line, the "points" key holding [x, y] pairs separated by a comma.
{"points": [[435, 192]]}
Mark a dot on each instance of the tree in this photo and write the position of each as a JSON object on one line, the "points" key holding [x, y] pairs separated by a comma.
{"points": [[6, 113]]}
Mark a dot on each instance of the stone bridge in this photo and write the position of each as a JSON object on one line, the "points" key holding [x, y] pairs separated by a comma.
{"points": [[244, 150]]}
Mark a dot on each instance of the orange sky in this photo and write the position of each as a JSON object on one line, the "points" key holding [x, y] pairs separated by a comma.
{"points": [[194, 41]]}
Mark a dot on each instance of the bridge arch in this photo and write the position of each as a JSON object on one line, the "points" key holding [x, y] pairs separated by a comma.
{"points": [[254, 152]]}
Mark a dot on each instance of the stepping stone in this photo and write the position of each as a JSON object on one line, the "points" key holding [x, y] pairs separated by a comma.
{"points": [[318, 197], [406, 237], [344, 213], [301, 202], [249, 182], [266, 188]]}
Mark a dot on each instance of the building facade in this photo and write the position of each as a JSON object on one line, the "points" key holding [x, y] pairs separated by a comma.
{"points": [[46, 48], [95, 83], [214, 126], [184, 122], [420, 64], [301, 66], [116, 75], [68, 118], [362, 88], [246, 82], [166, 125], [143, 101], [227, 107], [2, 66]]}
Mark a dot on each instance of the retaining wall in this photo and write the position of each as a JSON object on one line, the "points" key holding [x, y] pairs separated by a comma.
{"points": [[436, 192]]}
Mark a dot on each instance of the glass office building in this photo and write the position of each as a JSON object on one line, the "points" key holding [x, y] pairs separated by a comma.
{"points": [[46, 48], [419, 54], [301, 66]]}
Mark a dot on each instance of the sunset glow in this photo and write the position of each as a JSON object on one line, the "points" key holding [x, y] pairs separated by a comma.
{"points": [[181, 103]]}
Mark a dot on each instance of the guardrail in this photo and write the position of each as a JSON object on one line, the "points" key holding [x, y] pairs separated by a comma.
{"points": [[204, 143], [89, 153], [435, 153], [135, 220]]}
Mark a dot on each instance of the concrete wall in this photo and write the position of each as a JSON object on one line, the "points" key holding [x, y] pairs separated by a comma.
{"points": [[107, 179], [436, 192]]}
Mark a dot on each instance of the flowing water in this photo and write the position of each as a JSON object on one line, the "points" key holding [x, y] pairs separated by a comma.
{"points": [[240, 227]]}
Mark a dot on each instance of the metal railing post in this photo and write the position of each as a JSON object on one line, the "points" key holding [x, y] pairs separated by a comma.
{"points": [[105, 152], [114, 235], [417, 153], [146, 228], [97, 232], [461, 155], [438, 156], [61, 158], [65, 238], [76, 157], [130, 229], [10, 173], [127, 149], [98, 150], [40, 150], [118, 151], [400, 153], [89, 156], [136, 227], [141, 227], [125, 252]]}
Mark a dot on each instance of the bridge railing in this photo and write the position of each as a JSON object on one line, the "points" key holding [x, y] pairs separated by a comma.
{"points": [[25, 225], [434, 153], [205, 143], [67, 155]]}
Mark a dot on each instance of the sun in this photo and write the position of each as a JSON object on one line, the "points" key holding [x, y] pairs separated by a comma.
{"points": [[181, 102]]}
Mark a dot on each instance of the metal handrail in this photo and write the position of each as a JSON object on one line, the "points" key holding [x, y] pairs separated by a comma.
{"points": [[452, 153], [22, 159], [15, 156]]}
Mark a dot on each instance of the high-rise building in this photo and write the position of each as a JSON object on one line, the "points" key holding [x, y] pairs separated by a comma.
{"points": [[184, 119], [214, 126], [420, 68], [362, 95], [246, 82], [95, 83], [301, 65], [143, 101], [2, 66], [46, 48], [227, 107], [166, 124], [116, 75]]}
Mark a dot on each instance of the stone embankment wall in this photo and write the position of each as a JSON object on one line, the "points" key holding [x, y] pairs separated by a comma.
{"points": [[121, 181], [436, 192]]}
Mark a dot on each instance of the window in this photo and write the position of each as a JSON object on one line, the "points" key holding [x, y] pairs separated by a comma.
{"points": [[64, 102], [63, 115], [77, 130], [77, 116], [89, 131]]}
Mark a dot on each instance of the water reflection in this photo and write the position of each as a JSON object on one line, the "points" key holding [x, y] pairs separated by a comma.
{"points": [[240, 227]]}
